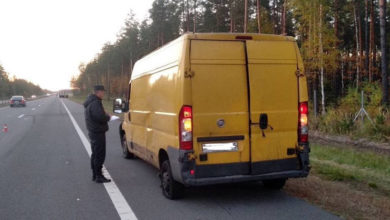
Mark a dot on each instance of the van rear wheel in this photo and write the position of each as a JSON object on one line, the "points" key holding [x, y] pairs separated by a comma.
{"points": [[125, 150], [171, 189], [274, 183]]}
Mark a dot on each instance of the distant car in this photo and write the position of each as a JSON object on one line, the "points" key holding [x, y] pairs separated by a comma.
{"points": [[17, 101], [63, 95], [33, 96]]}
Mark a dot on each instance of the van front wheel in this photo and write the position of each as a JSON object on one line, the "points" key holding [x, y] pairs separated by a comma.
{"points": [[170, 188], [275, 183], [125, 150]]}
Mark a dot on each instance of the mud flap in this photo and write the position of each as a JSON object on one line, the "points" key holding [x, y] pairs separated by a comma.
{"points": [[303, 156], [180, 164]]}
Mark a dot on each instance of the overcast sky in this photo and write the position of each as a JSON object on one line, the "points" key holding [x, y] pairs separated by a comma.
{"points": [[44, 41]]}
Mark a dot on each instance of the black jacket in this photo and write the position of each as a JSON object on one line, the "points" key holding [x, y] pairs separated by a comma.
{"points": [[95, 116]]}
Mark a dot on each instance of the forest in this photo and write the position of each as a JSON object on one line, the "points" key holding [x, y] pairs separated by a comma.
{"points": [[344, 44], [15, 86]]}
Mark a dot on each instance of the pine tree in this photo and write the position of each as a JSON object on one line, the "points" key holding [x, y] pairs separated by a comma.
{"points": [[385, 82]]}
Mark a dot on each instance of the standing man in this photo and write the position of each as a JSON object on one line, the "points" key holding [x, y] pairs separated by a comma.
{"points": [[96, 119]]}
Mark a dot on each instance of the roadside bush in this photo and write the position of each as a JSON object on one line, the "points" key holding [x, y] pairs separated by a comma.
{"points": [[336, 121], [339, 119]]}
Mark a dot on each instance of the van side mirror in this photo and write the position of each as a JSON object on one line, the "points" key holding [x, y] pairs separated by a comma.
{"points": [[125, 106], [117, 106], [263, 121]]}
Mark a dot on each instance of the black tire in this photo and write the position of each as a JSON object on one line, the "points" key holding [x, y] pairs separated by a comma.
{"points": [[171, 189], [275, 184], [125, 150]]}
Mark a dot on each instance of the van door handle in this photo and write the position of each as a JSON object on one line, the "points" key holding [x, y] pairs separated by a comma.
{"points": [[263, 123]]}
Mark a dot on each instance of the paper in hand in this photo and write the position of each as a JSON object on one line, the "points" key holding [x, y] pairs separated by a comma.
{"points": [[114, 117]]}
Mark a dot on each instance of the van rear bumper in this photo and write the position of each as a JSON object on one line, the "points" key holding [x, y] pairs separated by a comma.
{"points": [[245, 178], [241, 172]]}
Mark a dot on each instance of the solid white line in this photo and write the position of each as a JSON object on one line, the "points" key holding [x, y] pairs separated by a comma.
{"points": [[122, 207], [20, 116], [33, 109]]}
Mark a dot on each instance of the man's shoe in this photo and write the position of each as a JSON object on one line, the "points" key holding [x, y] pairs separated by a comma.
{"points": [[102, 179]]}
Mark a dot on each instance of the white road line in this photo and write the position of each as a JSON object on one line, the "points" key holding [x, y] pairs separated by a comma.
{"points": [[20, 116], [33, 109], [122, 207]]}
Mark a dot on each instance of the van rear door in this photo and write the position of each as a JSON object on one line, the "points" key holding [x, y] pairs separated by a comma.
{"points": [[220, 108], [273, 87]]}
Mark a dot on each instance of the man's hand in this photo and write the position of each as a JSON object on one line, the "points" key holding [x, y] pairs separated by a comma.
{"points": [[114, 117]]}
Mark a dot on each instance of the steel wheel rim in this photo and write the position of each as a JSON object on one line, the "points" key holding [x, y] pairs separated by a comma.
{"points": [[166, 182], [124, 145]]}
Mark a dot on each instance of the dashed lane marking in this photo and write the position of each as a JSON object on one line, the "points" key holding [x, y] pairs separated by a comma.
{"points": [[20, 116], [122, 207]]}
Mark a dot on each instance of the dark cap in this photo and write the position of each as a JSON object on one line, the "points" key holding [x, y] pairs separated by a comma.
{"points": [[99, 88]]}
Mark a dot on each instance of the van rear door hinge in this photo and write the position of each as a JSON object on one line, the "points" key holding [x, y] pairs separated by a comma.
{"points": [[298, 73], [189, 74]]}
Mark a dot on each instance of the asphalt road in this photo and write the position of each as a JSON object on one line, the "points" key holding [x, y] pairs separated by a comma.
{"points": [[45, 174]]}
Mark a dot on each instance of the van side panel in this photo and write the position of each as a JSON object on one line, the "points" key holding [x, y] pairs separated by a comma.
{"points": [[303, 94], [154, 102]]}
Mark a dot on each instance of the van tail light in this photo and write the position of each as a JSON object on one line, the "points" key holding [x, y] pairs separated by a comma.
{"points": [[303, 126], [185, 128], [11, 102]]}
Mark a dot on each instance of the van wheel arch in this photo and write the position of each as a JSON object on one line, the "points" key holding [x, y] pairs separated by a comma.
{"points": [[171, 189], [162, 156]]}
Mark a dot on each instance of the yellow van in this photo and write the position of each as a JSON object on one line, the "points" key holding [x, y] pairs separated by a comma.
{"points": [[219, 108]]}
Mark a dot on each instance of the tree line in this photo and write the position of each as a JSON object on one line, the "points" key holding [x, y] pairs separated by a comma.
{"points": [[15, 86], [343, 42]]}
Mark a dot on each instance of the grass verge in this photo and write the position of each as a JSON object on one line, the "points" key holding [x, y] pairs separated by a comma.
{"points": [[354, 184], [348, 164]]}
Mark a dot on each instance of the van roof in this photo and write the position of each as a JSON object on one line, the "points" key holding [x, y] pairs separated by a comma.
{"points": [[143, 66], [237, 36], [225, 36]]}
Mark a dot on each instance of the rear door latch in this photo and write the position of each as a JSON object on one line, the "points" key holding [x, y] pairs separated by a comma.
{"points": [[263, 123]]}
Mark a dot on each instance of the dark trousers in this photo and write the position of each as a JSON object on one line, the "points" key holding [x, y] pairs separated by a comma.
{"points": [[98, 145]]}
